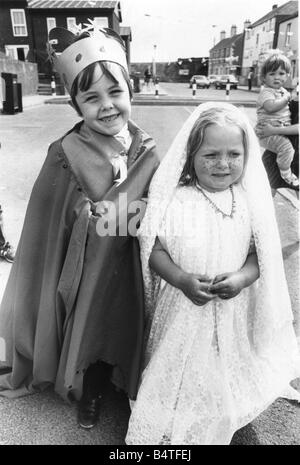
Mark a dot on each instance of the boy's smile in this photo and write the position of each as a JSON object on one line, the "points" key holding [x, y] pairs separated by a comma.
{"points": [[105, 106]]}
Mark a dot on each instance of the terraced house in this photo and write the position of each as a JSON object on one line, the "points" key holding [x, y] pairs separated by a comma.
{"points": [[24, 25]]}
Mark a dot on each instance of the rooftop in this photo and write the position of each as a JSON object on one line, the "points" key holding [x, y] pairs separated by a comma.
{"points": [[72, 4], [224, 43], [288, 8]]}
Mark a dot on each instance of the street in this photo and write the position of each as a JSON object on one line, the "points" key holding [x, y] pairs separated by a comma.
{"points": [[44, 418]]}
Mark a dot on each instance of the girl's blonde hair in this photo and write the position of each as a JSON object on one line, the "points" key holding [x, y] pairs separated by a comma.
{"points": [[220, 117]]}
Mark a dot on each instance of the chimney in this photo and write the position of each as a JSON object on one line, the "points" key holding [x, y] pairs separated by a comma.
{"points": [[233, 31], [274, 7], [247, 24], [222, 35]]}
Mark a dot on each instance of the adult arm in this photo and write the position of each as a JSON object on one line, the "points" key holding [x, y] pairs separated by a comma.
{"points": [[269, 130]]}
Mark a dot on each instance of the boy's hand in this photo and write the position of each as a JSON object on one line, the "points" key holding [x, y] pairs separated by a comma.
{"points": [[195, 287], [227, 285]]}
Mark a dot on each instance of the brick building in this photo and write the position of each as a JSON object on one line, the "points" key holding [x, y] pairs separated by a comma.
{"points": [[24, 25], [264, 34], [226, 56], [15, 30]]}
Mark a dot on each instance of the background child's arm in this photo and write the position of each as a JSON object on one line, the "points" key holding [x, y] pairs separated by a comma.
{"points": [[194, 286], [271, 106], [228, 285]]}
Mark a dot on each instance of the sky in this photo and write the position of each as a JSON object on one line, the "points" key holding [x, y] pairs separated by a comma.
{"points": [[185, 28]]}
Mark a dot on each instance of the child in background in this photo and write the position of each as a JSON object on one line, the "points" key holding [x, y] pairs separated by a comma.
{"points": [[221, 346], [73, 310], [273, 108], [6, 250]]}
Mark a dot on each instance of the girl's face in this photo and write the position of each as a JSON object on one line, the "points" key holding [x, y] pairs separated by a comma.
{"points": [[219, 161], [276, 79], [105, 106]]}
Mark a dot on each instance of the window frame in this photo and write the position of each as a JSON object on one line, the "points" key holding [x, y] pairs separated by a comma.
{"points": [[14, 25], [14, 48], [73, 18], [52, 18], [288, 35], [101, 18]]}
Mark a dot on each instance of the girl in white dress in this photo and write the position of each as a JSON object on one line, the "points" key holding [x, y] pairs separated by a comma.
{"points": [[221, 345]]}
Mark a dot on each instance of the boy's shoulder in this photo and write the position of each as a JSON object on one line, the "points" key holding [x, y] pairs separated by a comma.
{"points": [[56, 145], [137, 131]]}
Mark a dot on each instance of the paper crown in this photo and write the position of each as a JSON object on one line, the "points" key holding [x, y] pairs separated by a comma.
{"points": [[69, 57]]}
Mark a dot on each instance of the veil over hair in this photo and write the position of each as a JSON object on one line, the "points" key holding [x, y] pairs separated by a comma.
{"points": [[272, 313]]}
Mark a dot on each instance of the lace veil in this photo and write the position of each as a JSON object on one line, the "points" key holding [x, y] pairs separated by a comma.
{"points": [[272, 309]]}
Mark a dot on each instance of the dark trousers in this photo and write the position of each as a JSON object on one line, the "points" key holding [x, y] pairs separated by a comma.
{"points": [[96, 379], [249, 84], [2, 238]]}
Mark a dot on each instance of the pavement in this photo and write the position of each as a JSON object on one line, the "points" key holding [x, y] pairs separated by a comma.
{"points": [[44, 418]]}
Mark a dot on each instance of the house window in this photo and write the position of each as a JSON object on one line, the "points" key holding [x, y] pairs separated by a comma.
{"points": [[288, 34], [257, 39], [51, 23], [101, 21], [71, 22], [17, 52], [18, 21]]}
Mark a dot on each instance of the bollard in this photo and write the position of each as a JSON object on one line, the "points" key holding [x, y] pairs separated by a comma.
{"points": [[156, 88], [53, 86], [194, 87], [227, 89]]}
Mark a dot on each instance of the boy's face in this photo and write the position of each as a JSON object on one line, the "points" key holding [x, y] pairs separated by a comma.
{"points": [[276, 79], [105, 106]]}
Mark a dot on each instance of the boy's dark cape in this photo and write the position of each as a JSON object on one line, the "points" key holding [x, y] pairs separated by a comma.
{"points": [[73, 297]]}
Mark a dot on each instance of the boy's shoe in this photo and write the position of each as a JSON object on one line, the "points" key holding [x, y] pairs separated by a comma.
{"points": [[291, 179], [88, 412], [7, 252]]}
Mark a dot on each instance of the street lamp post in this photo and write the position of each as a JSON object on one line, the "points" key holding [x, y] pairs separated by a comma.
{"points": [[210, 63], [154, 62], [213, 26]]}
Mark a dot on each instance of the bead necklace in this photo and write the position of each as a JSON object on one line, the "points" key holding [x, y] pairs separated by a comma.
{"points": [[215, 207]]}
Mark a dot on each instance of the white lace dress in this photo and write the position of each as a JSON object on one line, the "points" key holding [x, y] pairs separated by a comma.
{"points": [[204, 379]]}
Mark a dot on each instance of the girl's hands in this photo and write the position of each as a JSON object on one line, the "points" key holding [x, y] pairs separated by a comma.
{"points": [[227, 285], [196, 288]]}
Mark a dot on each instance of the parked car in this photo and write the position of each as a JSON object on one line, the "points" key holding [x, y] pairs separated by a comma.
{"points": [[201, 81], [213, 78], [221, 82]]}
